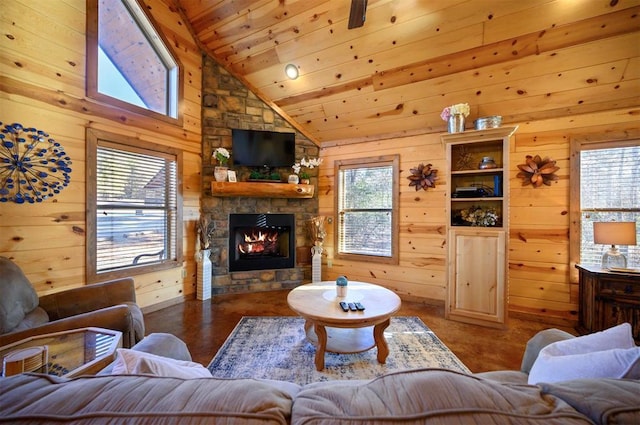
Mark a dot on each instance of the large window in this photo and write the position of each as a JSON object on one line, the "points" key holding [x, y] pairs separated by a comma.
{"points": [[367, 209], [608, 175], [134, 213], [128, 62]]}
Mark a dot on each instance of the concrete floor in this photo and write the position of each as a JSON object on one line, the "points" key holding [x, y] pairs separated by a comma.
{"points": [[204, 326]]}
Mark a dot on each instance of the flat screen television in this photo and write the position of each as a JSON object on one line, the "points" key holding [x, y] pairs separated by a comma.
{"points": [[257, 148]]}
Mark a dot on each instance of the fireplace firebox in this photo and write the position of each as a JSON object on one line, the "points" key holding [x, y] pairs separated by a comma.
{"points": [[261, 241]]}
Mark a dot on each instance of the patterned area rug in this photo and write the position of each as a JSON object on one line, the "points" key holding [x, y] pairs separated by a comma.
{"points": [[277, 348]]}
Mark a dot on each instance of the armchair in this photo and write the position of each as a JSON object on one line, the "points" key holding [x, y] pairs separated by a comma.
{"points": [[110, 305]]}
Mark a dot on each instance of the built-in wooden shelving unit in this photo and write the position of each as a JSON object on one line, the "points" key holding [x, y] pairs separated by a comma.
{"points": [[477, 257], [262, 190]]}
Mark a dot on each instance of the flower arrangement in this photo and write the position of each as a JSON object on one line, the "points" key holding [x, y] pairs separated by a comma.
{"points": [[458, 108], [205, 231], [310, 163], [221, 155], [478, 216], [316, 230]]}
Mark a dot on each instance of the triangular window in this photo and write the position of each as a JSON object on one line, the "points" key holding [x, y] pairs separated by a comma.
{"points": [[128, 62]]}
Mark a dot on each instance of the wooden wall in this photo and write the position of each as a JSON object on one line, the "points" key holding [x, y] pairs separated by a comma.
{"points": [[42, 85], [542, 279]]}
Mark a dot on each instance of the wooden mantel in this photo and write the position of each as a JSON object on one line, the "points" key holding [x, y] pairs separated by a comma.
{"points": [[262, 190]]}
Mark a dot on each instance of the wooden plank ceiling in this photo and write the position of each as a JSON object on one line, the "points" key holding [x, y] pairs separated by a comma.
{"points": [[521, 59]]}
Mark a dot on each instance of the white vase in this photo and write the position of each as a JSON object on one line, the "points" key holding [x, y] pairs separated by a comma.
{"points": [[455, 124], [203, 277], [316, 263], [220, 174], [293, 179]]}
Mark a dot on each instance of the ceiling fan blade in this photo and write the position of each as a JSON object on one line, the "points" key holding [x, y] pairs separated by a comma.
{"points": [[358, 13]]}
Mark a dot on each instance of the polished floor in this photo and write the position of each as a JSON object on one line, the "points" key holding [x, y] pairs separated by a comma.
{"points": [[204, 326]]}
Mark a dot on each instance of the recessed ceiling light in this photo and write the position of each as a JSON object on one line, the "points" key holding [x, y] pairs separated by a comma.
{"points": [[292, 71]]}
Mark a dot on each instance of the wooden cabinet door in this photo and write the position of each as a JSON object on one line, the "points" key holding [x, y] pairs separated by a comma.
{"points": [[477, 284]]}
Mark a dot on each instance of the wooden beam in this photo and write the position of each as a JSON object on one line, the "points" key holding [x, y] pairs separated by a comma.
{"points": [[631, 102], [585, 31], [581, 32], [262, 190]]}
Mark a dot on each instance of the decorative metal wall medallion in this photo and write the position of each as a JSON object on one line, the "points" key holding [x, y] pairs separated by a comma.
{"points": [[33, 166], [423, 177], [537, 171]]}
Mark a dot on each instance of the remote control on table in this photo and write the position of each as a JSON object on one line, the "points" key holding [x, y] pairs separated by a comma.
{"points": [[359, 306], [344, 306], [352, 307]]}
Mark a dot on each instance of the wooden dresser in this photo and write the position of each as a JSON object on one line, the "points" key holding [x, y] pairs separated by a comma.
{"points": [[607, 299]]}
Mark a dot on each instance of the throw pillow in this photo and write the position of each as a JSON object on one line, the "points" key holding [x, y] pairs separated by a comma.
{"points": [[17, 295], [132, 362], [607, 354]]}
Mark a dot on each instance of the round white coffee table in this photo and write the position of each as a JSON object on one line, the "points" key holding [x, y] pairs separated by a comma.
{"points": [[332, 329]]}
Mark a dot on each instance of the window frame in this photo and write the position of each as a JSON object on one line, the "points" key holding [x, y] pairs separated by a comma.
{"points": [[577, 145], [386, 160], [94, 139], [92, 49]]}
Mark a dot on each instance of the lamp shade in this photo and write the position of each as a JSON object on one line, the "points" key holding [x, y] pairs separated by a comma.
{"points": [[614, 233]]}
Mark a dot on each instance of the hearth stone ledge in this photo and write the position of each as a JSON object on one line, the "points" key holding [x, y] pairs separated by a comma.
{"points": [[260, 280], [250, 288]]}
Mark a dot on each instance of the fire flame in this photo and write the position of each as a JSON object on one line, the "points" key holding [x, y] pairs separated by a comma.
{"points": [[256, 243]]}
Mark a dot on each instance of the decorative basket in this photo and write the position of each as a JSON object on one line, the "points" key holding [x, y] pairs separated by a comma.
{"points": [[484, 123]]}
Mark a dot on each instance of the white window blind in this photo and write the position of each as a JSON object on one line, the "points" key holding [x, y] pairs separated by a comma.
{"points": [[136, 208], [609, 192], [366, 211]]}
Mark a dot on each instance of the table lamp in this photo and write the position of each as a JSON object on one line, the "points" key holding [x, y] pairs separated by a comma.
{"points": [[614, 233]]}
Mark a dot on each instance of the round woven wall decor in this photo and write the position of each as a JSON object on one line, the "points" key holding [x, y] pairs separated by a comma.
{"points": [[33, 166]]}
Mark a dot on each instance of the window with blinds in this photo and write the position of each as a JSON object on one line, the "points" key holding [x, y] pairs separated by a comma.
{"points": [[134, 213], [609, 192], [367, 209]]}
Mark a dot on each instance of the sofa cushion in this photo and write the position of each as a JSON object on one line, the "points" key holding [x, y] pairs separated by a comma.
{"points": [[538, 342], [127, 399], [604, 401], [165, 345], [131, 362], [607, 354], [504, 376], [161, 344], [35, 317], [18, 296], [436, 396]]}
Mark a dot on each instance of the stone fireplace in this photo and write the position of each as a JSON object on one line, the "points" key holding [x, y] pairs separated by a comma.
{"points": [[228, 104], [280, 270], [261, 241]]}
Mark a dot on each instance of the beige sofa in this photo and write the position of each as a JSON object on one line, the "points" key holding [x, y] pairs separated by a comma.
{"points": [[431, 396]]}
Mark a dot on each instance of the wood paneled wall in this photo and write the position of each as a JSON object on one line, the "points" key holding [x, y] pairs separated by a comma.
{"points": [[542, 278], [42, 85]]}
